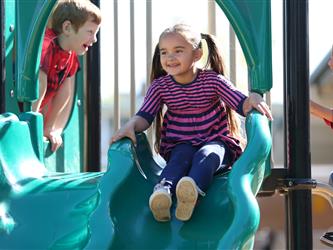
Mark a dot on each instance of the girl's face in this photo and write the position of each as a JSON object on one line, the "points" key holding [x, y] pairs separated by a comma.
{"points": [[84, 38], [178, 57]]}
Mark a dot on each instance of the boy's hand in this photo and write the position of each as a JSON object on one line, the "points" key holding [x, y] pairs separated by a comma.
{"points": [[257, 102], [55, 139]]}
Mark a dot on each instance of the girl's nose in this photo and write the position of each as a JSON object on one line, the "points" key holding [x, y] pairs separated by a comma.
{"points": [[171, 56]]}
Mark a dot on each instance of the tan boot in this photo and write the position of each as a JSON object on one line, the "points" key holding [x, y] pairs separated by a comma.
{"points": [[187, 195], [160, 203]]}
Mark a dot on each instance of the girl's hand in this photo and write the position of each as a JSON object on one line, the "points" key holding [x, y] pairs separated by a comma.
{"points": [[126, 131], [257, 102], [135, 124]]}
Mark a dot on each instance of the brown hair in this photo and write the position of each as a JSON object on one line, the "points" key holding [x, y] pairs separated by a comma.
{"points": [[214, 62], [75, 11], [156, 72]]}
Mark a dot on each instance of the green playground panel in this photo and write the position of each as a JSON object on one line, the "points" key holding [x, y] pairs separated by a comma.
{"points": [[251, 20], [42, 206]]}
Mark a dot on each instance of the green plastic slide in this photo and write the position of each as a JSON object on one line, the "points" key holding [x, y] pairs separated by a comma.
{"points": [[44, 210]]}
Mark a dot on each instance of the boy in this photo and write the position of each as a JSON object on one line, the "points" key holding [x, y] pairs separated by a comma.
{"points": [[74, 25]]}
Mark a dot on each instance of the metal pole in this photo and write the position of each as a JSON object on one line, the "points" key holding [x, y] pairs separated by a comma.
{"points": [[148, 39], [232, 55], [94, 106], [132, 49], [297, 157], [116, 60], [149, 56], [211, 17]]}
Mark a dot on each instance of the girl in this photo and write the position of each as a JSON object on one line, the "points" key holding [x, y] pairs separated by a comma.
{"points": [[199, 134]]}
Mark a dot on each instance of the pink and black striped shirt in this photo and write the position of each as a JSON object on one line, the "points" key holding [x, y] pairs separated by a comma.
{"points": [[195, 111]]}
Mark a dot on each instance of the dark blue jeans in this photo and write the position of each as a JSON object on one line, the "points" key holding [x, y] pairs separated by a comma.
{"points": [[199, 163]]}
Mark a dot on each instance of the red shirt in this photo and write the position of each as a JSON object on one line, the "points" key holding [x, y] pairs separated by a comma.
{"points": [[329, 123], [57, 63]]}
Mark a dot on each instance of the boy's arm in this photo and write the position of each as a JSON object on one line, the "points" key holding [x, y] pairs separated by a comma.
{"points": [[58, 113], [42, 90], [321, 111], [63, 117]]}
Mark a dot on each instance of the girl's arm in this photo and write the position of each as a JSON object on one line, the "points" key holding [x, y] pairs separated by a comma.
{"points": [[321, 111], [143, 118], [257, 102], [135, 124], [232, 96]]}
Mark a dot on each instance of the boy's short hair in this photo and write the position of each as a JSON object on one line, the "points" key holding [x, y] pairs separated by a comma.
{"points": [[75, 11]]}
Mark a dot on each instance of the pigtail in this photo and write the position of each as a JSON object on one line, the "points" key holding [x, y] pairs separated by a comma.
{"points": [[156, 68], [215, 62], [156, 72]]}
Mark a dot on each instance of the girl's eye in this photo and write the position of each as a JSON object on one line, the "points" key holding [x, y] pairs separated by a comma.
{"points": [[163, 53], [179, 51]]}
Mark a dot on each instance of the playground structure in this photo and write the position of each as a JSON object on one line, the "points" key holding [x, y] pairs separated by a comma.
{"points": [[48, 201]]}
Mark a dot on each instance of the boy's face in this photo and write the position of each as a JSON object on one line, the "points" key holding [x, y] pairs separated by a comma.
{"points": [[85, 37]]}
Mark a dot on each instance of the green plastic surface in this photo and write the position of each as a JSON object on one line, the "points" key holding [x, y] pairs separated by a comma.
{"points": [[46, 210], [10, 62], [251, 20], [30, 35], [40, 209]]}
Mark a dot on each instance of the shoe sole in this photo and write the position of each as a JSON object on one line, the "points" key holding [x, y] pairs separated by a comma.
{"points": [[187, 196], [160, 204], [326, 242]]}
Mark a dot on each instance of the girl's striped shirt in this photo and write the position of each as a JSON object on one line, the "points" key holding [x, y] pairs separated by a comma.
{"points": [[195, 112]]}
